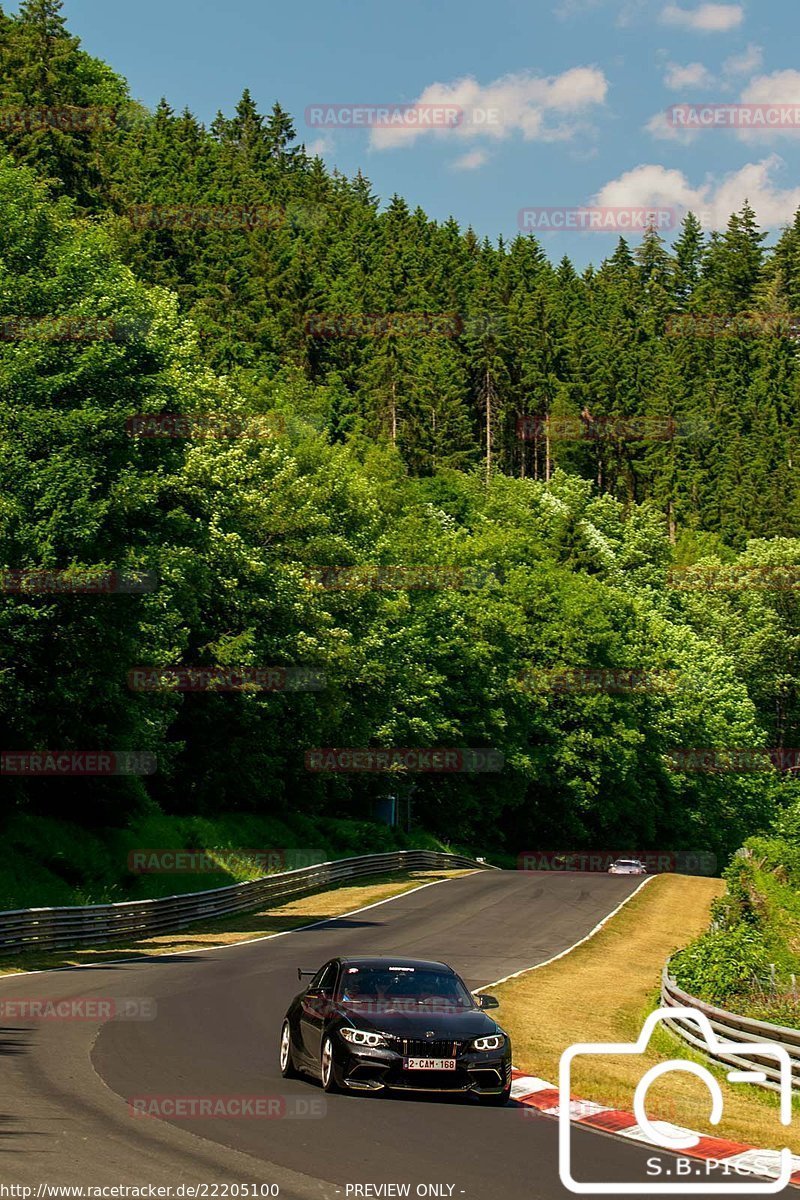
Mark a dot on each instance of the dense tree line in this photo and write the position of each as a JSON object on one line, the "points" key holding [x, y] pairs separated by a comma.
{"points": [[533, 339], [382, 450]]}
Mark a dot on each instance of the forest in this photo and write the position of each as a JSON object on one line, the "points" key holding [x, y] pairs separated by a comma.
{"points": [[435, 474]]}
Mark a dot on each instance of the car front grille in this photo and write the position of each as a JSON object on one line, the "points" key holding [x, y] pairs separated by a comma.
{"points": [[427, 1048]]}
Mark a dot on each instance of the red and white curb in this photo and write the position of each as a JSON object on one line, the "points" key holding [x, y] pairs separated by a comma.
{"points": [[532, 1092]]}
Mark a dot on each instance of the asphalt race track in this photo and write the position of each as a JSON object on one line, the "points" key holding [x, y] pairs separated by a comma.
{"points": [[64, 1111]]}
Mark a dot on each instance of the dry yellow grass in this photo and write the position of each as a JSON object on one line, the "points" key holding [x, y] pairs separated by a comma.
{"points": [[303, 910], [602, 992]]}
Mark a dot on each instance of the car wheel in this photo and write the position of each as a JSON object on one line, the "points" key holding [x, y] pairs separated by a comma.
{"points": [[496, 1101], [288, 1069], [328, 1067]]}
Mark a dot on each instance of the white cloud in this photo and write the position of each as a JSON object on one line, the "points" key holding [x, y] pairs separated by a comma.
{"points": [[541, 109], [693, 75], [707, 18], [650, 185], [774, 97], [745, 63], [628, 10], [659, 126], [712, 202], [470, 161], [779, 88], [631, 12], [566, 9], [320, 145], [697, 75]]}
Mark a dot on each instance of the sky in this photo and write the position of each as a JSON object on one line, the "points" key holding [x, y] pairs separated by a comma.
{"points": [[506, 115]]}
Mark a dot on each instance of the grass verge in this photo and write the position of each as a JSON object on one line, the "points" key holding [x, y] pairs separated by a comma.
{"points": [[226, 931], [602, 992], [45, 861]]}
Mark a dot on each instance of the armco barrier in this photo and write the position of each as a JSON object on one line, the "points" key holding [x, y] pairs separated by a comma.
{"points": [[731, 1026], [63, 928]]}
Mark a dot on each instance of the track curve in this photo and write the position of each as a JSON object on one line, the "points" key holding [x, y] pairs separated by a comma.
{"points": [[65, 1115]]}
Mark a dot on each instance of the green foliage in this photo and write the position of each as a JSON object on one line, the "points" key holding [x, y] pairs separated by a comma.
{"points": [[384, 450], [720, 966], [749, 959], [533, 340], [51, 861]]}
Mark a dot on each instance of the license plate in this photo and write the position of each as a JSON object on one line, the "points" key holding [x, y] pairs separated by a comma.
{"points": [[429, 1064]]}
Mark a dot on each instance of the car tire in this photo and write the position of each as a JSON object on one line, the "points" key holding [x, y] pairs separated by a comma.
{"points": [[497, 1101], [286, 1058], [328, 1074]]}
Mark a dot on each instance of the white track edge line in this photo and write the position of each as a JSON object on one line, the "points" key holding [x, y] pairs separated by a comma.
{"points": [[574, 946], [521, 1100]]}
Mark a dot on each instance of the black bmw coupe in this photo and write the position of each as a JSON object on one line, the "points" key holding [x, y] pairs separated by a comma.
{"points": [[395, 1024]]}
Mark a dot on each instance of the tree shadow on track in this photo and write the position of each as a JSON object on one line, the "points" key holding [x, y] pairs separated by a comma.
{"points": [[341, 923], [11, 1128], [219, 931], [15, 1039], [118, 959], [149, 949], [208, 934], [458, 1099]]}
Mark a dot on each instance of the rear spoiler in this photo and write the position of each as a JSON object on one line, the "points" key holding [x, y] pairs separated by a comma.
{"points": [[301, 973]]}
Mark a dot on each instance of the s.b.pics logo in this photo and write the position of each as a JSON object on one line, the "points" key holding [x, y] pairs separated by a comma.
{"points": [[705, 1171]]}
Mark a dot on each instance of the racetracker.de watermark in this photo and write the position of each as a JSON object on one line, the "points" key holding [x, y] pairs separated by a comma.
{"points": [[597, 218], [726, 760], [741, 324], [79, 1008], [735, 577], [734, 116], [64, 327], [68, 118], [205, 425], [397, 116], [387, 324], [169, 861], [226, 679], [416, 760], [655, 862], [76, 581], [666, 1109], [594, 429], [57, 763], [206, 216], [229, 1107], [597, 679], [395, 577]]}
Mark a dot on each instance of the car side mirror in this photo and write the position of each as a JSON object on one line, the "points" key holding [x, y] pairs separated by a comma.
{"points": [[488, 1002]]}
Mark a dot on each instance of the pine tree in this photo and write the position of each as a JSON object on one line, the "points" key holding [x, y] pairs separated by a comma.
{"points": [[49, 83], [436, 431], [279, 133], [732, 264], [688, 255]]}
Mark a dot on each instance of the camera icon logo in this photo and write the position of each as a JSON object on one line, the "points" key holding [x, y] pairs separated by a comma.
{"points": [[662, 1134]]}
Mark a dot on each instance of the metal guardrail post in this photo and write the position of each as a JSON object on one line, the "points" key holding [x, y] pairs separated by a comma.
{"points": [[732, 1027]]}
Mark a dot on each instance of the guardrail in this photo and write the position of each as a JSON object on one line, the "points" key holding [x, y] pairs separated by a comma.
{"points": [[93, 924], [731, 1026]]}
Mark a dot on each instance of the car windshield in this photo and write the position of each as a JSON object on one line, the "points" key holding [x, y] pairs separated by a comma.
{"points": [[626, 862], [412, 988]]}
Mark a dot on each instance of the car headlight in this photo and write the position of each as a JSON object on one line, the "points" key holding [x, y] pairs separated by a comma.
{"points": [[495, 1041], [360, 1037]]}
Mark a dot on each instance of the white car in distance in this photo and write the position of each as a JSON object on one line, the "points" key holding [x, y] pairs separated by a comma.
{"points": [[627, 866]]}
